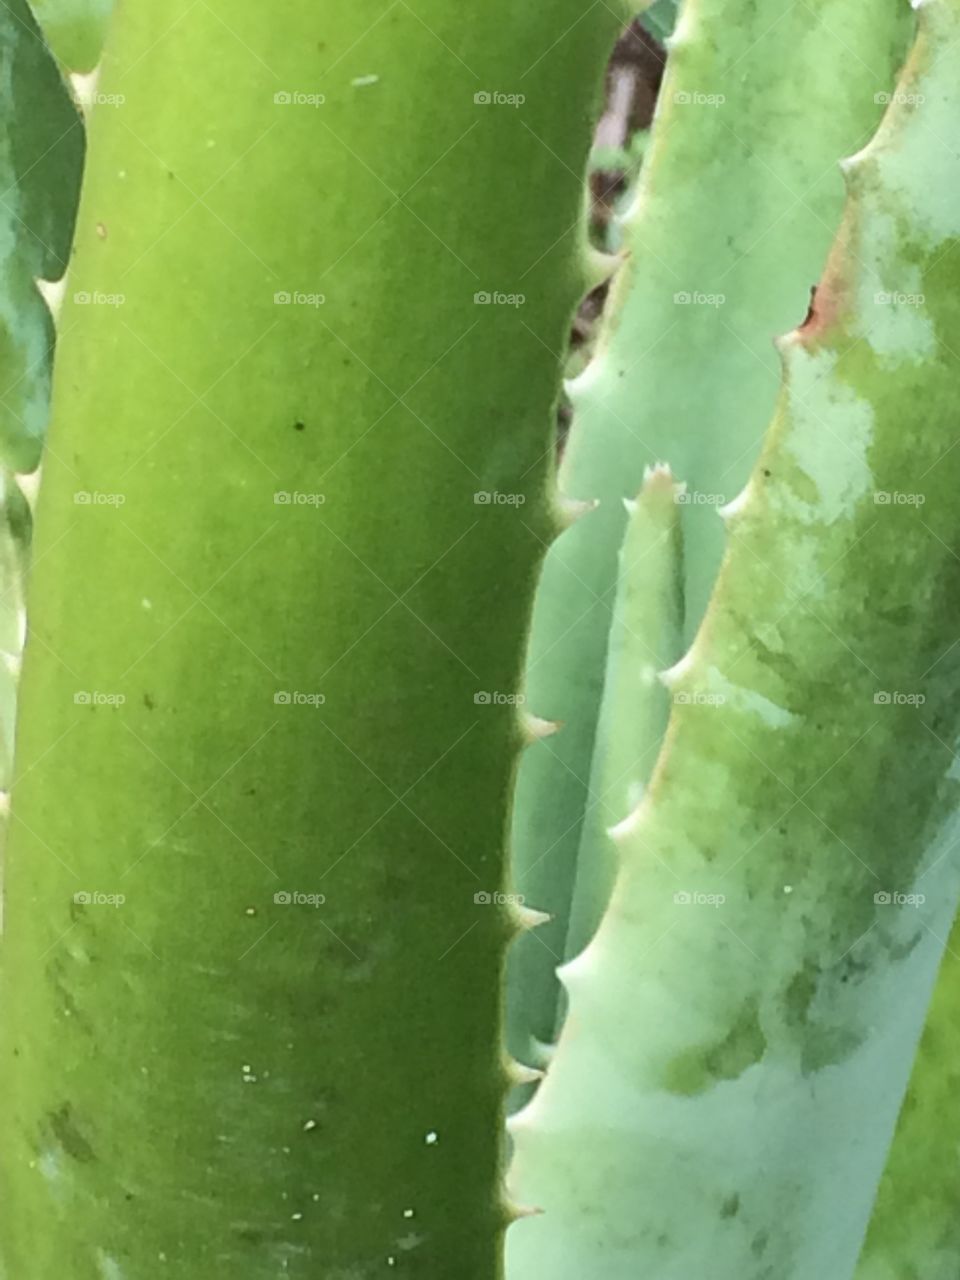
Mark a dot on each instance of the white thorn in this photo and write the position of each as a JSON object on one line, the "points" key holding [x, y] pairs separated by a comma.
{"points": [[527, 918], [573, 509], [535, 727], [675, 674], [522, 1074]]}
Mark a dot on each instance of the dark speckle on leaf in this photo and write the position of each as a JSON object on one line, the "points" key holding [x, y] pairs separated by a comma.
{"points": [[66, 1133], [759, 1243]]}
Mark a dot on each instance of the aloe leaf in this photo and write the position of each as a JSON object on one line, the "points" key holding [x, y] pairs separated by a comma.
{"points": [[41, 159], [742, 1026], [15, 529], [661, 18], [644, 641], [75, 29], [736, 206], [297, 492], [914, 1234]]}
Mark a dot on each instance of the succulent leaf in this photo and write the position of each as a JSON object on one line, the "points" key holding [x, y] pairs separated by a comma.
{"points": [[41, 160], [742, 1026]]}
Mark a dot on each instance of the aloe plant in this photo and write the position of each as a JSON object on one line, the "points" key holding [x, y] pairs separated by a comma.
{"points": [[739, 198], [278, 681], [742, 1025]]}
